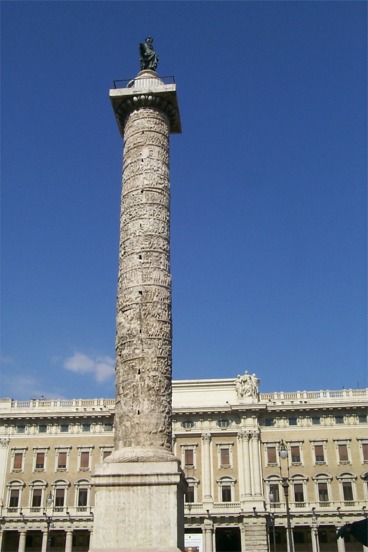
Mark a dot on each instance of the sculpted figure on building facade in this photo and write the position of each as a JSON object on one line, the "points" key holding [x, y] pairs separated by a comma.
{"points": [[247, 386], [148, 56]]}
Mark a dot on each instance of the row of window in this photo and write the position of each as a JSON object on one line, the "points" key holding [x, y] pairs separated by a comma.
{"points": [[38, 499], [61, 458], [314, 420], [342, 450], [295, 453], [298, 486], [322, 487], [291, 420], [64, 428]]}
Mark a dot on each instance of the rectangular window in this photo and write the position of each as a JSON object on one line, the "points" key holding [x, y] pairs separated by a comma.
{"points": [[339, 419], [295, 454], [319, 453], [347, 490], [40, 461], [59, 498], [365, 452], [316, 420], [36, 498], [14, 498], [226, 493], [293, 421], [362, 418], [82, 497], [64, 428], [21, 429], [84, 460], [343, 453], [61, 465], [86, 427], [189, 495], [18, 461], [225, 457], [298, 492], [107, 427], [189, 457], [274, 492], [322, 492], [42, 428], [271, 455]]}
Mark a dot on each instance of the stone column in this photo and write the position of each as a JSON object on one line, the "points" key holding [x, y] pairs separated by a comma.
{"points": [[69, 541], [206, 470], [1, 540], [45, 536], [240, 463], [257, 488], [314, 538], [140, 487], [247, 472], [22, 541], [242, 538], [341, 545], [208, 535]]}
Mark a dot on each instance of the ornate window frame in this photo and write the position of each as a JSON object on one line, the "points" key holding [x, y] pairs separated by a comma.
{"points": [[228, 481], [189, 446], [193, 482], [15, 485], [323, 443], [56, 485], [362, 441], [322, 478], [301, 479], [36, 450], [221, 446], [79, 485], [347, 477], [59, 449], [14, 451], [33, 485], [81, 449], [346, 442]]}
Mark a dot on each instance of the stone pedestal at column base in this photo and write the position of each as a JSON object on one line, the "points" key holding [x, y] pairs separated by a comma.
{"points": [[139, 507]]}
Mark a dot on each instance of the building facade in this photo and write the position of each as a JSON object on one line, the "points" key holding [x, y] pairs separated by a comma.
{"points": [[270, 472]]}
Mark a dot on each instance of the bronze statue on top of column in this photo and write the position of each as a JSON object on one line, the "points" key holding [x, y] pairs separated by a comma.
{"points": [[148, 56]]}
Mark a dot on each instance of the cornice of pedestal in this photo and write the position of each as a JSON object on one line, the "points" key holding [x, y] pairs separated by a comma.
{"points": [[146, 90]]}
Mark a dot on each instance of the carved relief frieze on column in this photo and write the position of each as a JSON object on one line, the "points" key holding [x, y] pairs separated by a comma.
{"points": [[207, 469]]}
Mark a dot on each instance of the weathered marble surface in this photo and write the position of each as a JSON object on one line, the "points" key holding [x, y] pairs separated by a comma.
{"points": [[144, 329]]}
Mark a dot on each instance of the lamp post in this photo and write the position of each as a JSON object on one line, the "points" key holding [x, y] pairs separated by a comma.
{"points": [[272, 518], [283, 453], [49, 502]]}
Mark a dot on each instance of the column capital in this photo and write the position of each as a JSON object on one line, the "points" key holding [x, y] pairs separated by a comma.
{"points": [[206, 437]]}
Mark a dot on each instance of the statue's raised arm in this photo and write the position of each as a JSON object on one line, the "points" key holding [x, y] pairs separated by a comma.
{"points": [[148, 56]]}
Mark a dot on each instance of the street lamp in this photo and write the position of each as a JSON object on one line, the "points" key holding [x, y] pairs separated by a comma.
{"points": [[272, 517], [283, 453]]}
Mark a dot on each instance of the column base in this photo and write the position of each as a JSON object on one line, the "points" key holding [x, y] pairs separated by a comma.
{"points": [[139, 507]]}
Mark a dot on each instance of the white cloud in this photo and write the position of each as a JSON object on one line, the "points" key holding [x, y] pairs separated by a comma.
{"points": [[101, 367], [25, 388]]}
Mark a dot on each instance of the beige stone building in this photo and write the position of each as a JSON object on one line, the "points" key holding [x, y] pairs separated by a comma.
{"points": [[228, 437]]}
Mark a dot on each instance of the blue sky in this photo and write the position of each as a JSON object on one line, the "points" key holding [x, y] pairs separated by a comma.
{"points": [[268, 190]]}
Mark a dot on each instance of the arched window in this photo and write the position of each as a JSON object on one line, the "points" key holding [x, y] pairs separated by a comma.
{"points": [[15, 489], [59, 494], [191, 494], [273, 490], [347, 488], [226, 489], [82, 494], [298, 482], [322, 483], [37, 494]]}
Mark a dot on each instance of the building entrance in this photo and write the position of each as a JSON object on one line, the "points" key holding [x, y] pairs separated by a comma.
{"points": [[228, 539]]}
